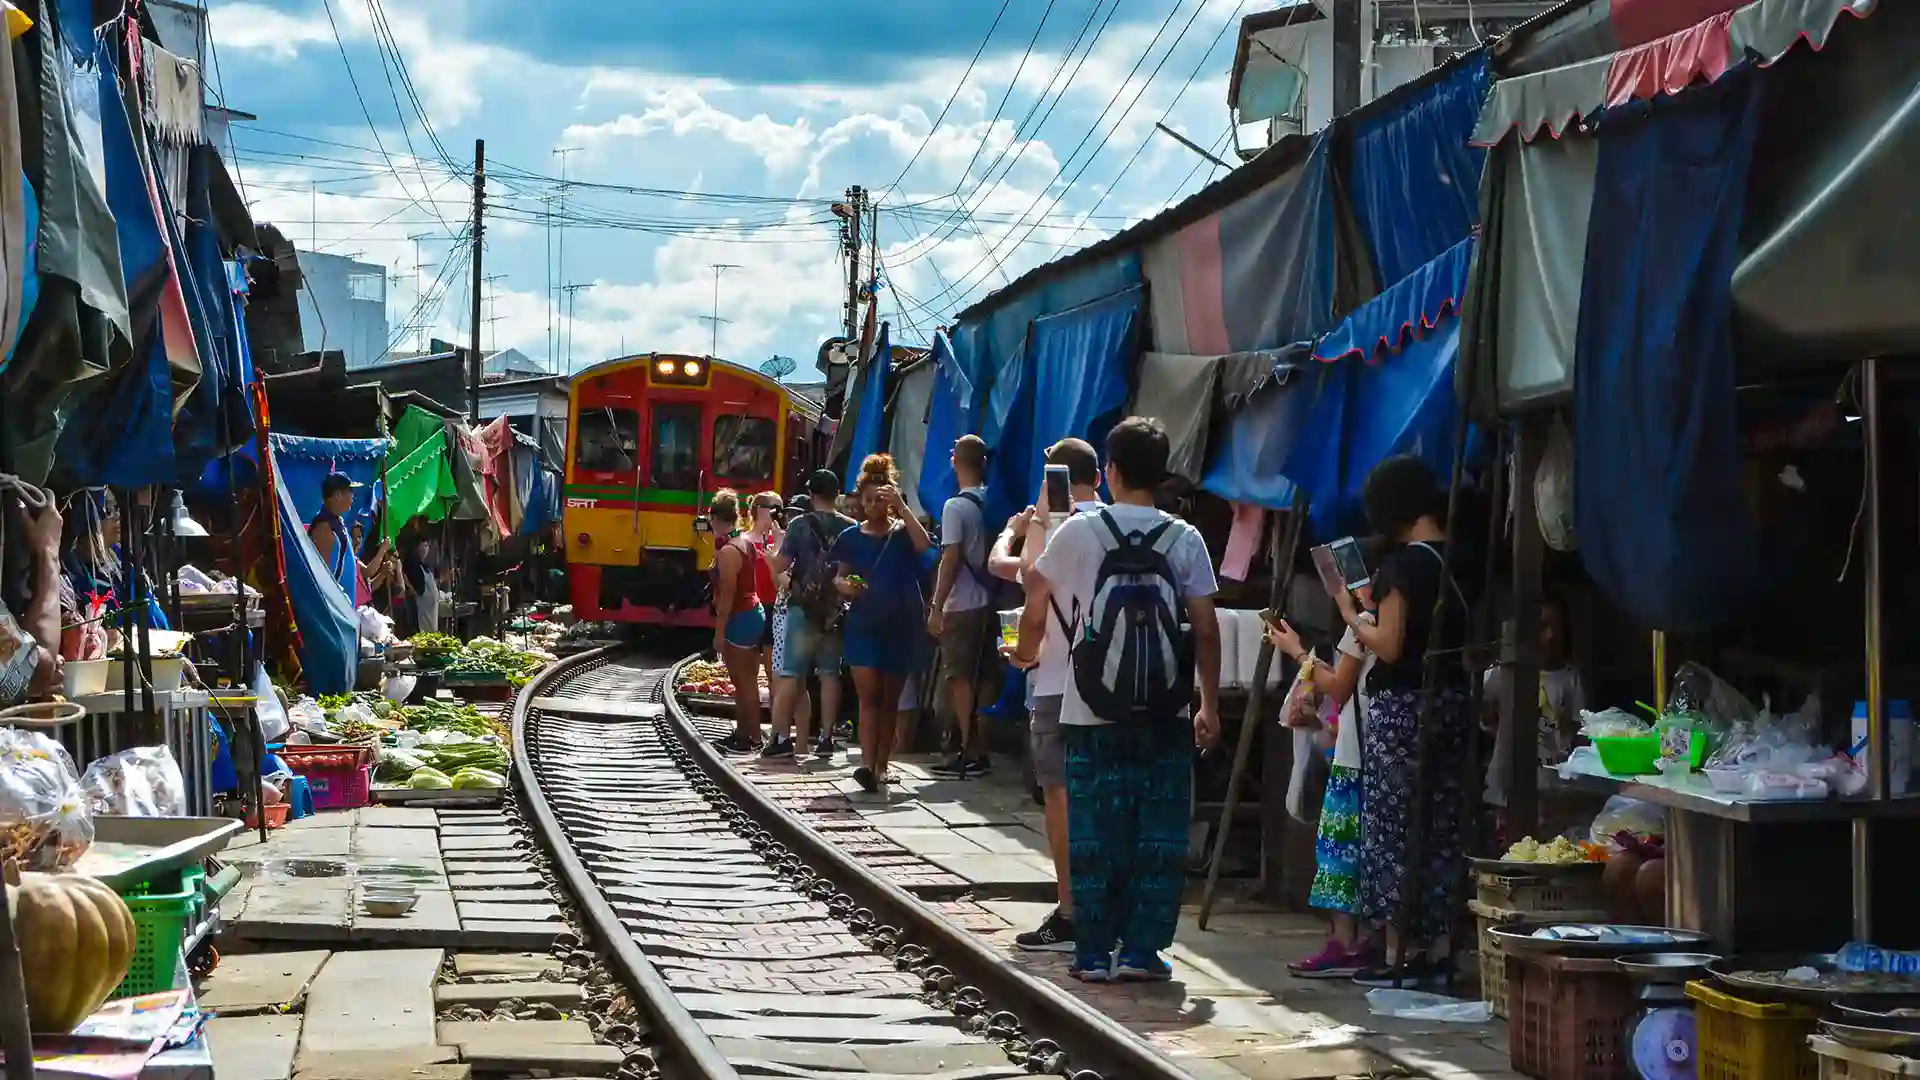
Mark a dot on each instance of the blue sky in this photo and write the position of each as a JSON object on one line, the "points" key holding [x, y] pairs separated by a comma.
{"points": [[742, 122]]}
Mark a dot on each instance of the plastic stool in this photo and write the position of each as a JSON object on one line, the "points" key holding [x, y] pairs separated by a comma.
{"points": [[299, 799]]}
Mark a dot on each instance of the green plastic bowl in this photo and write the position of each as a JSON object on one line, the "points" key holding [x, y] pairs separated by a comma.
{"points": [[1635, 755]]}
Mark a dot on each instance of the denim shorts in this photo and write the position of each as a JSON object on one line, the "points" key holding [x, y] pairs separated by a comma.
{"points": [[744, 628], [806, 651]]}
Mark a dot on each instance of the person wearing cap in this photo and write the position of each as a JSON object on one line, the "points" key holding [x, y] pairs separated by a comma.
{"points": [[328, 530], [807, 648]]}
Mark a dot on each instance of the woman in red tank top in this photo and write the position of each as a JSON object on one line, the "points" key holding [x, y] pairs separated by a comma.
{"points": [[739, 620]]}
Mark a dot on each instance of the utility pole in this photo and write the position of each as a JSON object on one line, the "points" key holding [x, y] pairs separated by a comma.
{"points": [[493, 336], [420, 342], [559, 273], [1346, 56], [713, 350], [479, 277], [852, 221], [568, 294]]}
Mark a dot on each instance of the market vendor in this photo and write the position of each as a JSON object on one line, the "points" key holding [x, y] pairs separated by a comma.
{"points": [[30, 644], [1561, 695], [328, 530]]}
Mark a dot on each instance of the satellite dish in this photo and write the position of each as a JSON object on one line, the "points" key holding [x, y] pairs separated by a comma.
{"points": [[778, 367]]}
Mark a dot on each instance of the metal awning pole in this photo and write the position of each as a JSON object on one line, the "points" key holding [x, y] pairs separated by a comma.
{"points": [[1877, 742]]}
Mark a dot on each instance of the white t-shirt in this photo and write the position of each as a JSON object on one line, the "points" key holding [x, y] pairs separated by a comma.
{"points": [[1071, 564], [1561, 700], [1347, 741], [1049, 679]]}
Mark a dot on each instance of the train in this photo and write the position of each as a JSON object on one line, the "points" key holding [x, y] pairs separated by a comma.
{"points": [[651, 438]]}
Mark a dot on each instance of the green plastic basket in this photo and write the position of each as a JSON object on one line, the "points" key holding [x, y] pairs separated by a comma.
{"points": [[161, 922]]}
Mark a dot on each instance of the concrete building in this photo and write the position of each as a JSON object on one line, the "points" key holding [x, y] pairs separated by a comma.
{"points": [[343, 307], [1283, 68]]}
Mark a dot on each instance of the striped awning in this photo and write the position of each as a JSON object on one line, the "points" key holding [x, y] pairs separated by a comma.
{"points": [[1552, 101]]}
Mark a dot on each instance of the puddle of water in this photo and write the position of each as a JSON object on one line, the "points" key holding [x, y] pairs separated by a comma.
{"points": [[295, 868], [413, 872]]}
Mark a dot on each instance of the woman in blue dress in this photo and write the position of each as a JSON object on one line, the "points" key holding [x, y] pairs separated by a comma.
{"points": [[878, 571]]}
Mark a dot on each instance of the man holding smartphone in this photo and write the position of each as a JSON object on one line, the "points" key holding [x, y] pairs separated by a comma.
{"points": [[963, 619], [1046, 746]]}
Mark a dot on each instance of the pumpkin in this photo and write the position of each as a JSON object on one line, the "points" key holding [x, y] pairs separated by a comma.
{"points": [[76, 940]]}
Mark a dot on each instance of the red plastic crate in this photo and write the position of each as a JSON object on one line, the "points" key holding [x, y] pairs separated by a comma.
{"points": [[341, 789]]}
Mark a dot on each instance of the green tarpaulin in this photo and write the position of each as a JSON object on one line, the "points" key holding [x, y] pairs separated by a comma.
{"points": [[420, 480]]}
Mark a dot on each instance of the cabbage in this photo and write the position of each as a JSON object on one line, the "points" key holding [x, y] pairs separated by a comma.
{"points": [[429, 779], [398, 764], [472, 777]]}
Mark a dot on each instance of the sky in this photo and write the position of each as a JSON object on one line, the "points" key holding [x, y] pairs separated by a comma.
{"points": [[994, 136]]}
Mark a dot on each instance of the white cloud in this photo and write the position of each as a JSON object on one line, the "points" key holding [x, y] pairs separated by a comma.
{"points": [[682, 111], [251, 27]]}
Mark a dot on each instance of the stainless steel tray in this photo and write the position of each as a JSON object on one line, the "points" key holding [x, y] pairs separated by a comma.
{"points": [[129, 850], [1737, 972], [1518, 937]]}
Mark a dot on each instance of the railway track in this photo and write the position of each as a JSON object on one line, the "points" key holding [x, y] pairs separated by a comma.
{"points": [[751, 947]]}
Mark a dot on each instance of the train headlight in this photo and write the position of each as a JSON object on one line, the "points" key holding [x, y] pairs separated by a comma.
{"points": [[664, 367], [691, 369]]}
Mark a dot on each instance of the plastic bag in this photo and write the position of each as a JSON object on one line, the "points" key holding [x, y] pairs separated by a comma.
{"points": [[1631, 816], [1697, 690], [44, 821], [1420, 1005], [1553, 489], [399, 688], [142, 782], [374, 626], [274, 723], [1613, 724]]}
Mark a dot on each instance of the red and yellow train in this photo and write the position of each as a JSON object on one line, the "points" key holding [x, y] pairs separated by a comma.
{"points": [[652, 438]]}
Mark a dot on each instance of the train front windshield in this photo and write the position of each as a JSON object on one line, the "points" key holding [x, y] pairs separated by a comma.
{"points": [[676, 447]]}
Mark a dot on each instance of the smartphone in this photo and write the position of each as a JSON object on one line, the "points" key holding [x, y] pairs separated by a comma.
{"points": [[1059, 491], [1270, 617], [1341, 565]]}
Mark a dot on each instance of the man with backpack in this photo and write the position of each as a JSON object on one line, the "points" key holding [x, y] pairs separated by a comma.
{"points": [[814, 609], [1141, 585], [963, 617]]}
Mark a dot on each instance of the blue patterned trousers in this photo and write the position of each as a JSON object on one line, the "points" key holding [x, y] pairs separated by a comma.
{"points": [[1129, 802]]}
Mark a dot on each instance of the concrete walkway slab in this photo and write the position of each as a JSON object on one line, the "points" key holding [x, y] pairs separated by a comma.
{"points": [[933, 841], [526, 1032], [532, 964], [247, 983], [397, 817], [488, 994], [396, 843], [253, 1047], [375, 1000]]}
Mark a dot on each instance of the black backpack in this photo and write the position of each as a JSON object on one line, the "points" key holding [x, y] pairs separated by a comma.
{"points": [[813, 591], [1134, 661]]}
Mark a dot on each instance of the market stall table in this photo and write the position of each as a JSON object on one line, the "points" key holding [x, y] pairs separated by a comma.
{"points": [[1769, 875], [184, 728]]}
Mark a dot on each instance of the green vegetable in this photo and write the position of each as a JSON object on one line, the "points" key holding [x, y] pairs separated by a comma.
{"points": [[471, 777], [429, 779], [398, 764], [456, 756]]}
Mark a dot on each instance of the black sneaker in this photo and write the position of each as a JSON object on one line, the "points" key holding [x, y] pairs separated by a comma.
{"points": [[980, 766], [736, 744], [778, 746], [1419, 973], [1054, 935], [864, 777], [955, 767], [823, 747]]}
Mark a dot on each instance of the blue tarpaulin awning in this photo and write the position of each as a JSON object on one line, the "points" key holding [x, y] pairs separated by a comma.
{"points": [[322, 610], [1250, 450], [1663, 526], [1080, 363], [1401, 403], [1412, 174], [949, 416], [870, 426]]}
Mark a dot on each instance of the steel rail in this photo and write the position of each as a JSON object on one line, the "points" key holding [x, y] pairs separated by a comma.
{"points": [[681, 1048], [1090, 1039]]}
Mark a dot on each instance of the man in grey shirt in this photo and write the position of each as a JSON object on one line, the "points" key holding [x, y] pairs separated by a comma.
{"points": [[963, 618]]}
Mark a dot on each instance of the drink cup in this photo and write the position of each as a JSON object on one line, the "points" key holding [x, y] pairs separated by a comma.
{"points": [[1010, 627]]}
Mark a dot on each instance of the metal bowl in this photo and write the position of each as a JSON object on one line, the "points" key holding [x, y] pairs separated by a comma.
{"points": [[1883, 1040], [388, 907], [1666, 968]]}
